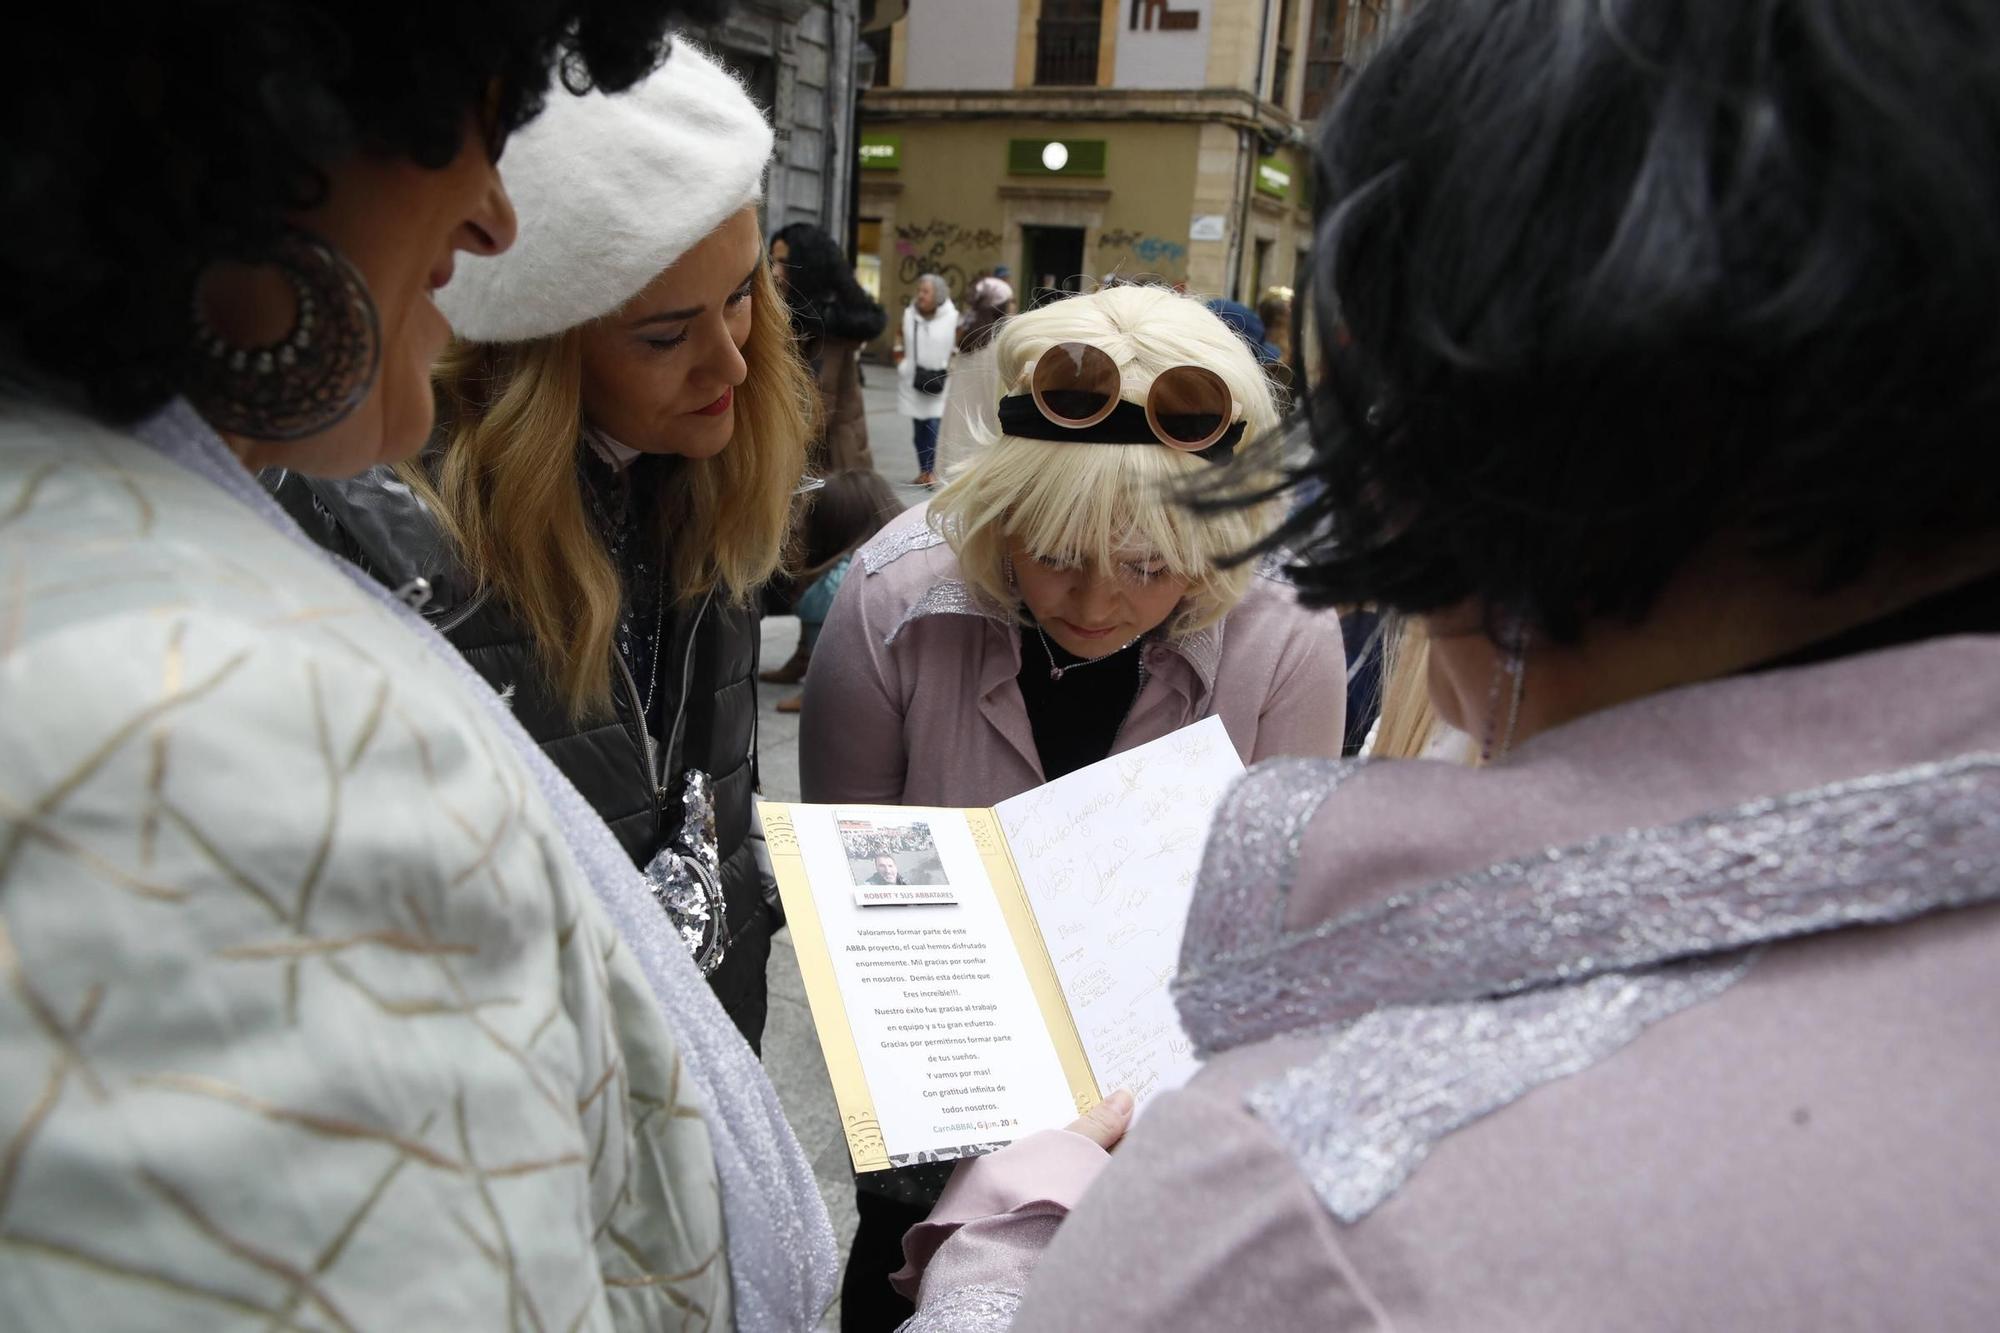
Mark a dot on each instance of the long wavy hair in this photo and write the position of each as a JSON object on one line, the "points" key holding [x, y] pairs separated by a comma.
{"points": [[506, 489]]}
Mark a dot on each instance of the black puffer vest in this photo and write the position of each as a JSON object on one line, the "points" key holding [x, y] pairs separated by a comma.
{"points": [[706, 668]]}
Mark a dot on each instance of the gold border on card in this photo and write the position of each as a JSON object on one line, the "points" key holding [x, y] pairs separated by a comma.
{"points": [[836, 1038], [1036, 960]]}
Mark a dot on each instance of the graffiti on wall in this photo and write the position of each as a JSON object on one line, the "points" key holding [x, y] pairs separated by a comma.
{"points": [[943, 248], [1152, 251]]}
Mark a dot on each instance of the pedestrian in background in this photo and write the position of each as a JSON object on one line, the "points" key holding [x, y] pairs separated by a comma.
{"points": [[990, 301], [1054, 605], [843, 514], [1274, 311], [972, 394], [625, 388], [326, 1002], [832, 317], [923, 357], [1248, 326]]}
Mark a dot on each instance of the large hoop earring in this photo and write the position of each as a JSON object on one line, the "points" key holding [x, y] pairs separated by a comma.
{"points": [[310, 379]]}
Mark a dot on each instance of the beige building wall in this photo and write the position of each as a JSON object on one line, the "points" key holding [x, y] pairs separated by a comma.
{"points": [[1218, 192], [1234, 45], [953, 209], [1301, 30], [1285, 225], [1028, 13]]}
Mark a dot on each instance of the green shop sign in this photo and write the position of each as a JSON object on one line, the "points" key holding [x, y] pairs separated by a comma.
{"points": [[1055, 157], [1274, 177], [881, 152]]}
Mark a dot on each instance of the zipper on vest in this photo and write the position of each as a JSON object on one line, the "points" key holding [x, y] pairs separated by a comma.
{"points": [[646, 744], [687, 681], [446, 624]]}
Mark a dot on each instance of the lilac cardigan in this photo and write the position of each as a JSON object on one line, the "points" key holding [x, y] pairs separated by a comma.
{"points": [[911, 698], [1682, 1017]]}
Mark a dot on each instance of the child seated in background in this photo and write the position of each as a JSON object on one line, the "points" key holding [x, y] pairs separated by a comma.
{"points": [[853, 506]]}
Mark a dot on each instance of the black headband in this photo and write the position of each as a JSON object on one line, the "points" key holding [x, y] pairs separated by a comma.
{"points": [[1126, 424]]}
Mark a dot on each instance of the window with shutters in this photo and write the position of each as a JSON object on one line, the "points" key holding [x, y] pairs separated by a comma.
{"points": [[1066, 43], [1344, 33], [1281, 68]]}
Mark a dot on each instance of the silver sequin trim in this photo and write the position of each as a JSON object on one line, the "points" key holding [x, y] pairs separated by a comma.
{"points": [[1203, 651], [945, 597], [1363, 1115], [1248, 868], [1275, 565], [1871, 851], [890, 547], [977, 1309]]}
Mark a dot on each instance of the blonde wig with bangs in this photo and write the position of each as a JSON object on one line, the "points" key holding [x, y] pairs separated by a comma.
{"points": [[505, 487], [1098, 504]]}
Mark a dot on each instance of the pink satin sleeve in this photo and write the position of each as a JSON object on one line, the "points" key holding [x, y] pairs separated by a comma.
{"points": [[999, 1211]]}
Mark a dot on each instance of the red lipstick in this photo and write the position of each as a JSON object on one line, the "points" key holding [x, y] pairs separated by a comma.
{"points": [[719, 406]]}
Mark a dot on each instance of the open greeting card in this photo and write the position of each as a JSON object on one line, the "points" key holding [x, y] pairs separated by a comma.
{"points": [[976, 975]]}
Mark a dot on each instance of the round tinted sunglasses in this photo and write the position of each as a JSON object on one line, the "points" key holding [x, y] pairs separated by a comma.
{"points": [[1077, 387]]}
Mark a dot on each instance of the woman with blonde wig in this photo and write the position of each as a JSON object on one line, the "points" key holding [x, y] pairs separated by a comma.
{"points": [[1054, 605], [622, 429]]}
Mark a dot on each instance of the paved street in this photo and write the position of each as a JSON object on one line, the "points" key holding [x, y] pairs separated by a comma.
{"points": [[791, 1050]]}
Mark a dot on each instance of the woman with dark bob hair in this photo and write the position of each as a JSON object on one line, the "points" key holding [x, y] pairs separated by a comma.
{"points": [[1664, 392], [324, 999]]}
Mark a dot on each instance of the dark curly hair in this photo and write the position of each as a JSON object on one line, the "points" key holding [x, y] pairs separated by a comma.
{"points": [[821, 288], [141, 146], [1602, 285]]}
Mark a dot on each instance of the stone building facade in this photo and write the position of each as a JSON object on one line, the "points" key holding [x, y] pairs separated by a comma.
{"points": [[1071, 139], [798, 58]]}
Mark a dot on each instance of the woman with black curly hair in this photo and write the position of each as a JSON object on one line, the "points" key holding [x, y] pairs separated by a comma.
{"points": [[326, 998], [831, 317], [1666, 399]]}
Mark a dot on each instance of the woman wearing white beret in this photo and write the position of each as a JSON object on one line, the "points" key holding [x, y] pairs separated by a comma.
{"points": [[622, 427]]}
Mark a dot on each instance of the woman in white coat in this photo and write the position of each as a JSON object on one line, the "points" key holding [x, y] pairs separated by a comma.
{"points": [[923, 353]]}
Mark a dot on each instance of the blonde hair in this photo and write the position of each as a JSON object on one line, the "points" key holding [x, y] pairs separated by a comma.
{"points": [[506, 490], [1086, 503], [1408, 717]]}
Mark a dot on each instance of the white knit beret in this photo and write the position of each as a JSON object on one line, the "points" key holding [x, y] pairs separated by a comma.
{"points": [[610, 191]]}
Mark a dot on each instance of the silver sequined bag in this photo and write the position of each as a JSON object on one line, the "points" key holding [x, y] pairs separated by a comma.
{"points": [[686, 877]]}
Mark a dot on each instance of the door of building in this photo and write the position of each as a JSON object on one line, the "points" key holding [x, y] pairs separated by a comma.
{"points": [[1051, 262]]}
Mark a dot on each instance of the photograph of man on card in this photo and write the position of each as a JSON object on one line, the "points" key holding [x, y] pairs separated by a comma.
{"points": [[894, 864]]}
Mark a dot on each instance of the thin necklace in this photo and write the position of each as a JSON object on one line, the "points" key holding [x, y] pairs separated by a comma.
{"points": [[617, 530], [1056, 672], [659, 626]]}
